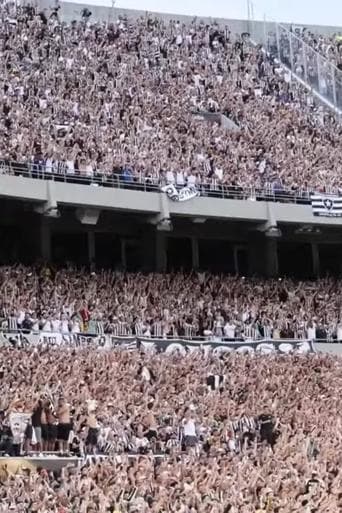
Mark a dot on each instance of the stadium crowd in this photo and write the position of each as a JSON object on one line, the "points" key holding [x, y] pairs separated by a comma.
{"points": [[93, 100], [196, 304], [159, 433], [313, 58], [329, 46], [267, 439]]}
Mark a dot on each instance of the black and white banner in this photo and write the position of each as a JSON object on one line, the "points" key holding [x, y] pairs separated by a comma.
{"points": [[186, 193], [181, 346], [327, 206], [263, 346], [55, 339]]}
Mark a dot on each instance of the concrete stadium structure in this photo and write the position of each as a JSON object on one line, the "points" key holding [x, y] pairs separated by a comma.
{"points": [[141, 229]]}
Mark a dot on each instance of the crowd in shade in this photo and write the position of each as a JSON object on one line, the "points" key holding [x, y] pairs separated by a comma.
{"points": [[266, 439], [96, 100], [197, 304]]}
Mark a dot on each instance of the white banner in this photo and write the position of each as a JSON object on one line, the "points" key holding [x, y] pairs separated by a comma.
{"points": [[186, 193], [18, 423], [184, 347]]}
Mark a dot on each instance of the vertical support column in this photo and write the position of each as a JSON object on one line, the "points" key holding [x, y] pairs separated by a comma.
{"points": [[248, 16], [195, 253], [278, 42], [271, 260], [236, 260], [318, 72], [333, 76], [255, 255], [161, 254], [291, 53], [45, 239], [123, 254], [148, 249], [265, 33], [91, 247], [315, 259], [305, 64]]}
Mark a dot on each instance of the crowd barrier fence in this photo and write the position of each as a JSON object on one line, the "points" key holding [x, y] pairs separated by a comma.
{"points": [[169, 345], [141, 183]]}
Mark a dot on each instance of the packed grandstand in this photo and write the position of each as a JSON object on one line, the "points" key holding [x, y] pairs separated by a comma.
{"points": [[162, 439], [198, 305], [70, 106], [155, 388]]}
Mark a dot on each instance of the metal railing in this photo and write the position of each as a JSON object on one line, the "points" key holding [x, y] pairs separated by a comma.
{"points": [[315, 70], [135, 182]]}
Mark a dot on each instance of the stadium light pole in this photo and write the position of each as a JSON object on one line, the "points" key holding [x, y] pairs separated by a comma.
{"points": [[248, 11], [112, 10], [250, 14]]}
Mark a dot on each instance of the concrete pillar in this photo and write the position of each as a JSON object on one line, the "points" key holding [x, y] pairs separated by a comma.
{"points": [[123, 254], [161, 253], [315, 259], [236, 260], [91, 247], [195, 253], [256, 258], [271, 260], [148, 242], [45, 239]]}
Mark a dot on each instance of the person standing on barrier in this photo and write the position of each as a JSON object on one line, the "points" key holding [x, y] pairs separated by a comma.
{"points": [[64, 425], [36, 420], [93, 432]]}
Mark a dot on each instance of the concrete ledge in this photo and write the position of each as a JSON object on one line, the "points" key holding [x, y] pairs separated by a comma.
{"points": [[108, 198], [329, 348]]}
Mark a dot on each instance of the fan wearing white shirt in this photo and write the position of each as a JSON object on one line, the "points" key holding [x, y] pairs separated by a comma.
{"points": [[180, 180], [70, 167], [189, 430], [75, 326], [191, 179], [218, 173], [197, 78], [231, 442], [46, 324], [141, 443], [311, 331], [49, 165], [21, 317], [338, 333], [55, 324], [229, 329], [64, 326], [170, 177], [89, 171], [179, 40]]}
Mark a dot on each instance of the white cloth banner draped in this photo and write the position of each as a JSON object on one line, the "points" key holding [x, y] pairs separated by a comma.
{"points": [[185, 194], [18, 422]]}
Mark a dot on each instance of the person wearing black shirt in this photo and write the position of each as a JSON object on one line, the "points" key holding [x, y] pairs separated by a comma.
{"points": [[268, 433], [5, 435], [37, 424], [27, 324]]}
